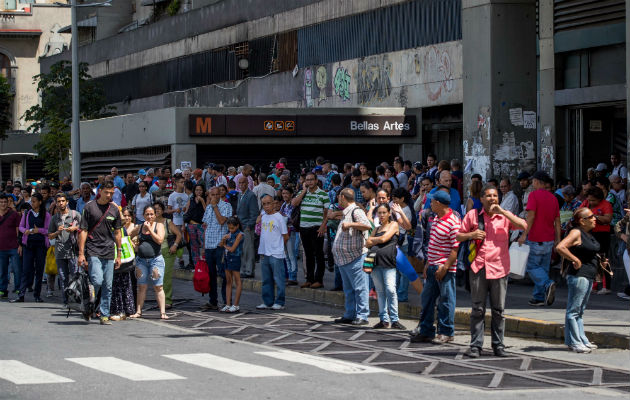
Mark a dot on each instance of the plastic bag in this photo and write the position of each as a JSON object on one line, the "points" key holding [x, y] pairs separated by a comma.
{"points": [[518, 260], [51, 263]]}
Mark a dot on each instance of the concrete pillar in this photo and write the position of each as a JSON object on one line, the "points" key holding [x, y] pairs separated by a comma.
{"points": [[546, 101], [499, 58], [183, 152]]}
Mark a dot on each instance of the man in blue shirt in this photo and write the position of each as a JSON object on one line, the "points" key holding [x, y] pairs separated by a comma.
{"points": [[445, 179], [118, 181]]}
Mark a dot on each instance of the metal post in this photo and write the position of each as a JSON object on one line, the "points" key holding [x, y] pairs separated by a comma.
{"points": [[74, 130]]}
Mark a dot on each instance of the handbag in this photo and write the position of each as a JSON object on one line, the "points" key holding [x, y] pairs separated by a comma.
{"points": [[51, 263], [128, 254], [603, 267], [170, 238]]}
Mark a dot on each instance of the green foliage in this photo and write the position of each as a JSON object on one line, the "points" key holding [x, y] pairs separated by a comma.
{"points": [[6, 101], [173, 7], [53, 116]]}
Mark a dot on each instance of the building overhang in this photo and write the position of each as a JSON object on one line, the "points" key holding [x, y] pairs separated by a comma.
{"points": [[20, 33]]}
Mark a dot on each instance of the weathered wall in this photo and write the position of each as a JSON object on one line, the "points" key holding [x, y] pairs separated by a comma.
{"points": [[26, 51], [422, 77]]}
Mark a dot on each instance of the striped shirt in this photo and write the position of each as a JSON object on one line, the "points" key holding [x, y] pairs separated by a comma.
{"points": [[442, 239], [312, 208]]}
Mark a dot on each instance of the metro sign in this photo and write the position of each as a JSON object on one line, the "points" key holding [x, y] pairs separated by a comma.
{"points": [[203, 125]]}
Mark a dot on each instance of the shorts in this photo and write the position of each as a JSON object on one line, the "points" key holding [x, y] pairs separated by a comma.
{"points": [[232, 263], [146, 265]]}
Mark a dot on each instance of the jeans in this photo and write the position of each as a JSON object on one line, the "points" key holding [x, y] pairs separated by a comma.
{"points": [[355, 289], [7, 258], [248, 258], [272, 278], [15, 266], [313, 251], [34, 260], [579, 292], [214, 259], [480, 288], [102, 275], [291, 256], [538, 267], [65, 268], [402, 283], [442, 292], [338, 280], [385, 285]]}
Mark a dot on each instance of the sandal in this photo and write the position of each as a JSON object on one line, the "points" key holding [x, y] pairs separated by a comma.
{"points": [[163, 316], [136, 315]]}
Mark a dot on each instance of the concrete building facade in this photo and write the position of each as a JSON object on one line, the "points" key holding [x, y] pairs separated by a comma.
{"points": [[503, 85]]}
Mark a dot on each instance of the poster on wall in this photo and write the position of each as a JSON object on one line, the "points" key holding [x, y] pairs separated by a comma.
{"points": [[185, 164], [595, 125], [529, 119]]}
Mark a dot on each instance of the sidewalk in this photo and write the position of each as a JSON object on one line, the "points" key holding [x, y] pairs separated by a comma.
{"points": [[607, 317]]}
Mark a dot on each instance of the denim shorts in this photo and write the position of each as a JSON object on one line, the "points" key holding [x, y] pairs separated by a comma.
{"points": [[232, 263], [146, 265]]}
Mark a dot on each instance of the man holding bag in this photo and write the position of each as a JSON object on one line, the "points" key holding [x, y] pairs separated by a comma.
{"points": [[63, 229], [490, 267]]}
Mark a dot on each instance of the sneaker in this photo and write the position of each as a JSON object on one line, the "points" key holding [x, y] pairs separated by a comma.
{"points": [[604, 291], [473, 352], [591, 346], [343, 320], [49, 293], [234, 309], [382, 325], [499, 352], [105, 321], [225, 308], [208, 306], [418, 338], [262, 306], [360, 322], [579, 348], [536, 303], [622, 295], [441, 339], [550, 296], [277, 307], [398, 325]]}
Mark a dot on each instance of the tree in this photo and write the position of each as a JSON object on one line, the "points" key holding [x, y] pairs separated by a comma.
{"points": [[6, 103], [53, 116]]}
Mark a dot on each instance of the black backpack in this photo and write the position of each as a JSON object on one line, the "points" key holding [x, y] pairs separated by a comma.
{"points": [[81, 296]]}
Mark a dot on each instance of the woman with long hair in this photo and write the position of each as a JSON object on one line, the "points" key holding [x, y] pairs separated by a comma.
{"points": [[193, 216], [172, 239], [123, 303]]}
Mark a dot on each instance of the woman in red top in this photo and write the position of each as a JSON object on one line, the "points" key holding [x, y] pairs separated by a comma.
{"points": [[603, 212]]}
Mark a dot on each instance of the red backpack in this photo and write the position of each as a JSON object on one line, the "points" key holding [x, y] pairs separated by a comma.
{"points": [[201, 277]]}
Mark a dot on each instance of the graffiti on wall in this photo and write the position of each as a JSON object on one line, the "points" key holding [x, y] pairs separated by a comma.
{"points": [[374, 79], [438, 72], [341, 83], [477, 161], [547, 160], [511, 157], [321, 80], [308, 87]]}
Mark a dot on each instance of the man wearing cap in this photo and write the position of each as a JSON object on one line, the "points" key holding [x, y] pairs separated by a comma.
{"points": [[142, 174], [440, 273], [542, 233], [601, 170], [489, 269], [276, 175]]}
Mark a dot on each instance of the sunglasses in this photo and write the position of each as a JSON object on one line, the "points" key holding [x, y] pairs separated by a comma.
{"points": [[589, 217]]}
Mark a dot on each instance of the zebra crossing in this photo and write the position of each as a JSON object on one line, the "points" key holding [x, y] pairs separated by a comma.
{"points": [[20, 373]]}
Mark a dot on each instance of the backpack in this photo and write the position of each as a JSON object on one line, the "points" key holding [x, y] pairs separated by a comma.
{"points": [[81, 296], [294, 218], [201, 277], [469, 248]]}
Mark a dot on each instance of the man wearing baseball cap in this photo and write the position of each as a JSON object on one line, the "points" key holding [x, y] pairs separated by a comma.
{"points": [[440, 272], [541, 235]]}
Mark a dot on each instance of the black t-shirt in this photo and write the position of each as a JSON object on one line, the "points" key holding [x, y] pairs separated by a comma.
{"points": [[130, 190], [100, 243]]}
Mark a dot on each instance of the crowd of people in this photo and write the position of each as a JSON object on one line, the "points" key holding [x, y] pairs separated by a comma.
{"points": [[380, 231]]}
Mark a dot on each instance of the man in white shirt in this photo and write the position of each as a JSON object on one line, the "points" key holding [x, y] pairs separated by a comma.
{"points": [[618, 167], [510, 201], [273, 237], [263, 189]]}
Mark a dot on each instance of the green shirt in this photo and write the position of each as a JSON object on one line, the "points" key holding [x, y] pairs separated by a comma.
{"points": [[312, 208]]}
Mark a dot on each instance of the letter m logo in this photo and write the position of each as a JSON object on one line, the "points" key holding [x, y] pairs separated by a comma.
{"points": [[203, 125]]}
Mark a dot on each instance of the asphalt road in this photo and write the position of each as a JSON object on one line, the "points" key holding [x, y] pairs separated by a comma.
{"points": [[43, 354]]}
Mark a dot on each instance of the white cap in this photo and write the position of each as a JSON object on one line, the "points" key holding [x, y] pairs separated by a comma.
{"points": [[601, 167], [178, 171]]}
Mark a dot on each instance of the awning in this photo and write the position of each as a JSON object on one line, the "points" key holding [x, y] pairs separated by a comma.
{"points": [[20, 33], [86, 23]]}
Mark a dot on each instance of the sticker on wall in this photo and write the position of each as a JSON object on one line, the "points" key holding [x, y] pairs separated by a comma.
{"points": [[516, 116], [529, 119]]}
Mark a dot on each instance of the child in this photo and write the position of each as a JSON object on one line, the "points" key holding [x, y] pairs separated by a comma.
{"points": [[233, 243]]}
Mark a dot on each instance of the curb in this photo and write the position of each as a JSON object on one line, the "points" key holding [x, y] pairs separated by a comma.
{"points": [[516, 325]]}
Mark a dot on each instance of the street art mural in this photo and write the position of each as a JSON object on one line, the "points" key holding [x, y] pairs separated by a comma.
{"points": [[374, 79], [341, 83]]}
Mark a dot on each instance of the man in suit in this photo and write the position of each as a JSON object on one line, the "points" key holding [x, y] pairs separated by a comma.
{"points": [[247, 211]]}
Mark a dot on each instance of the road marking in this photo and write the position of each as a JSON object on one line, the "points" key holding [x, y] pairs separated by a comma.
{"points": [[227, 365], [23, 374], [125, 369], [332, 365]]}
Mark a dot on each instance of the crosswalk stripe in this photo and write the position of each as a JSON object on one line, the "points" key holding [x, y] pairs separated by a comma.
{"points": [[23, 374], [124, 369], [332, 365], [227, 365]]}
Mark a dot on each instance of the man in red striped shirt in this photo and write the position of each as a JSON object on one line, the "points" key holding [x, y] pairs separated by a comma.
{"points": [[440, 273]]}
